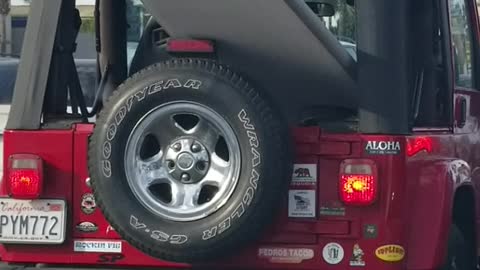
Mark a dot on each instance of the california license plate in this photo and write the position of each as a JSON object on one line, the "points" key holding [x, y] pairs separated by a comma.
{"points": [[32, 222]]}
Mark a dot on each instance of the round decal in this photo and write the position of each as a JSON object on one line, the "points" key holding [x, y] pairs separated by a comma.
{"points": [[390, 253], [333, 253]]}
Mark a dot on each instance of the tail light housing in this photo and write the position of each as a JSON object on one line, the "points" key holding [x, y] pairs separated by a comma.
{"points": [[358, 182], [418, 144], [24, 176]]}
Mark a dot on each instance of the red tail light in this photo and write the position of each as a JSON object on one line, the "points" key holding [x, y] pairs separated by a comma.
{"points": [[419, 144], [358, 182], [24, 176]]}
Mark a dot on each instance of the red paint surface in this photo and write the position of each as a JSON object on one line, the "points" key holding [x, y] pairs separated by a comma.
{"points": [[402, 212]]}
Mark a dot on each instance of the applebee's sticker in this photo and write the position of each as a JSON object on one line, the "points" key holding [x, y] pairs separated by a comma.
{"points": [[286, 255]]}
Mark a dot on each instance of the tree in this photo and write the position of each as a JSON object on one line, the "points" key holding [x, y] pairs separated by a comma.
{"points": [[346, 21], [4, 7], [4, 11]]}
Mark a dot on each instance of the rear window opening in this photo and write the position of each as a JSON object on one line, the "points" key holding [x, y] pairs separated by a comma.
{"points": [[343, 25], [430, 101], [431, 95]]}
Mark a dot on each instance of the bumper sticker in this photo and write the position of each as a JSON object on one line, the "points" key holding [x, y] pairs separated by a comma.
{"points": [[301, 203], [304, 174], [332, 211], [333, 253], [87, 227], [88, 204], [383, 148], [370, 231], [98, 246], [357, 256], [390, 253], [286, 255]]}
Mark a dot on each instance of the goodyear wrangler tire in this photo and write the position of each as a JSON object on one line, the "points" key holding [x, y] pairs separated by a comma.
{"points": [[188, 162]]}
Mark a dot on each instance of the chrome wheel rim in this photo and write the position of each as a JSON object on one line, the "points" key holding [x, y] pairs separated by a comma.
{"points": [[182, 161]]}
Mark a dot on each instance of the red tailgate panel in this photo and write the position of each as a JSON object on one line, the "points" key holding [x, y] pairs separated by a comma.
{"points": [[290, 243]]}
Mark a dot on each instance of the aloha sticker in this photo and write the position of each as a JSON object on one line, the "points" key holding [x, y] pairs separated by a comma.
{"points": [[88, 203], [390, 253], [357, 256], [383, 148], [286, 255]]}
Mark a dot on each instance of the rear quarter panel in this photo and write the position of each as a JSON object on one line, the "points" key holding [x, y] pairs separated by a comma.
{"points": [[432, 180]]}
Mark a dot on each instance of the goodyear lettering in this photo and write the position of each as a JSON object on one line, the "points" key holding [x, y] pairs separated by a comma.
{"points": [[156, 87], [125, 108], [174, 83]]}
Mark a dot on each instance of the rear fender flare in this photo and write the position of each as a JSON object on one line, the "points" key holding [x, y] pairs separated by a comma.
{"points": [[432, 185]]}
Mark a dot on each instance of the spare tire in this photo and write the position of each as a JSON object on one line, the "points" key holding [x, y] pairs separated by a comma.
{"points": [[188, 162]]}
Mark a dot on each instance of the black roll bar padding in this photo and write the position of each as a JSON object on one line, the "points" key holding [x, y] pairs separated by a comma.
{"points": [[56, 96], [113, 44], [383, 66], [97, 26], [76, 91], [77, 99], [97, 103], [32, 74], [447, 55]]}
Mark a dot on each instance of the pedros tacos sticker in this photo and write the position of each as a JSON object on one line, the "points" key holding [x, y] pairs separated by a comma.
{"points": [[390, 253]]}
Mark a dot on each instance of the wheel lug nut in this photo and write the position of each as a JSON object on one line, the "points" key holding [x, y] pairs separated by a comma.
{"points": [[171, 164], [196, 148], [177, 147], [201, 166], [185, 177]]}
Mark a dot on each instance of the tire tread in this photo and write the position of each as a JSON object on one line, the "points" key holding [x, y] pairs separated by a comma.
{"points": [[278, 134]]}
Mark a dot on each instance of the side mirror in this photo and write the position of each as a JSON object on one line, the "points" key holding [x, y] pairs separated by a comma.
{"points": [[323, 8]]}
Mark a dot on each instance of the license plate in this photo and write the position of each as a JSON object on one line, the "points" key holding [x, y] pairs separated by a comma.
{"points": [[32, 222]]}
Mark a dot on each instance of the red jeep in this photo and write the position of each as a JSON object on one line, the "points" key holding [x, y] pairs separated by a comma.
{"points": [[248, 135]]}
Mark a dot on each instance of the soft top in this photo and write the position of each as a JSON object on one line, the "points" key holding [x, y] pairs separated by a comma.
{"points": [[279, 44]]}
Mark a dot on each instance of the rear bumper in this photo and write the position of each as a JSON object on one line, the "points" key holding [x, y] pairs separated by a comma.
{"points": [[4, 266], [131, 258]]}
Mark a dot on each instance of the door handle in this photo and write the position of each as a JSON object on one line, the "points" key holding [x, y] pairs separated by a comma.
{"points": [[462, 110]]}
